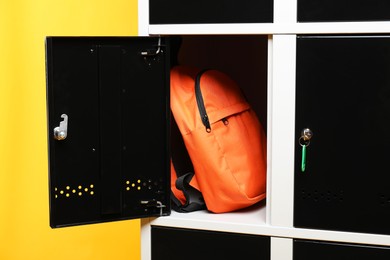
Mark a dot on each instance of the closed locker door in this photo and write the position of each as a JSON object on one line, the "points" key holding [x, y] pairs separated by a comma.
{"points": [[343, 10], [205, 11], [308, 250], [342, 179], [190, 244]]}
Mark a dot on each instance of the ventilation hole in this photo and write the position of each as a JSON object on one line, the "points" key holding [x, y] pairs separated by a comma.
{"points": [[91, 193], [67, 187], [86, 189], [67, 195], [56, 196], [73, 191], [62, 192], [139, 188], [80, 187], [91, 186], [80, 193], [55, 189], [133, 185], [327, 196], [128, 188], [138, 181], [127, 182]]}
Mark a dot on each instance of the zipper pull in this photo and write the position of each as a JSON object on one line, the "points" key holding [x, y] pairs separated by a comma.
{"points": [[206, 122], [225, 121]]}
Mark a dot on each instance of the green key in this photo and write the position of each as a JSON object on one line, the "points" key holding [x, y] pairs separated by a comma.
{"points": [[303, 163]]}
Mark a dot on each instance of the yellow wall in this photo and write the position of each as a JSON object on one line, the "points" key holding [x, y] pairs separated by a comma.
{"points": [[24, 224]]}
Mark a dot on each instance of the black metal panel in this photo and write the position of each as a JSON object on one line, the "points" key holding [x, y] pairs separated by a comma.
{"points": [[343, 10], [205, 11], [110, 125], [309, 250], [343, 96], [207, 245], [116, 155]]}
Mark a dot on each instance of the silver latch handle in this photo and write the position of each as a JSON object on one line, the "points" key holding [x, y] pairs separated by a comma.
{"points": [[61, 132]]}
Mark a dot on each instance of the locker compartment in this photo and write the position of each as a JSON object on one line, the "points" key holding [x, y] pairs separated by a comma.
{"points": [[199, 244], [307, 250], [203, 11], [111, 94], [342, 96], [343, 10], [242, 58]]}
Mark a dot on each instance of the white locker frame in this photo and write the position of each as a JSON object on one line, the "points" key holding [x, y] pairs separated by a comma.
{"points": [[276, 219]]}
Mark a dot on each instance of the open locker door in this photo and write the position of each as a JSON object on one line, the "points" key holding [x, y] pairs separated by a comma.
{"points": [[108, 121]]}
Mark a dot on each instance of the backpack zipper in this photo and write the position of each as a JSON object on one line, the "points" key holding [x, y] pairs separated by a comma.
{"points": [[199, 101], [225, 121]]}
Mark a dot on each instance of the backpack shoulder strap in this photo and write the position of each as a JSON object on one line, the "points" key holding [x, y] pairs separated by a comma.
{"points": [[185, 172]]}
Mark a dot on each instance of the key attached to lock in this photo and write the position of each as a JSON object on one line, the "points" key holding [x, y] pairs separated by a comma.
{"points": [[304, 142]]}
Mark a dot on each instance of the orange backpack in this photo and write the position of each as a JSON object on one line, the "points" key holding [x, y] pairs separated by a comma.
{"points": [[224, 139]]}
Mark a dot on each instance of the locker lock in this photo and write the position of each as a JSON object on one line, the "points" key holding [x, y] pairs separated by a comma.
{"points": [[61, 131], [306, 134]]}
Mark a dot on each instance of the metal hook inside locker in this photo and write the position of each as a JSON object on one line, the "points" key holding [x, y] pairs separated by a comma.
{"points": [[154, 203]]}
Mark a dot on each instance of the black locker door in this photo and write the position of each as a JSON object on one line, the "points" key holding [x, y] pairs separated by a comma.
{"points": [[343, 97], [108, 115], [308, 250], [191, 244], [205, 11], [343, 10]]}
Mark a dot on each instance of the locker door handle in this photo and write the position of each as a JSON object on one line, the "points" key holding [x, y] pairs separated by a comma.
{"points": [[61, 131]]}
